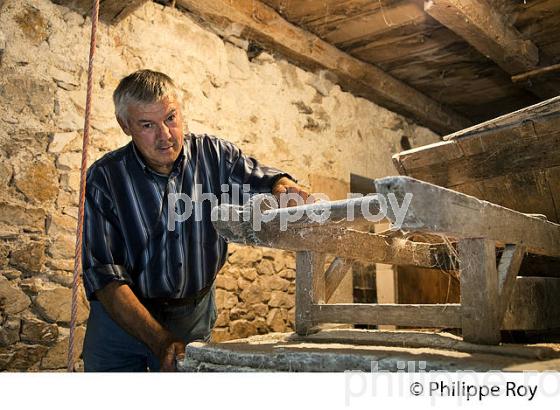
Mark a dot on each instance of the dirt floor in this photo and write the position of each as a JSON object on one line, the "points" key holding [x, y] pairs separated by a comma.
{"points": [[339, 350]]}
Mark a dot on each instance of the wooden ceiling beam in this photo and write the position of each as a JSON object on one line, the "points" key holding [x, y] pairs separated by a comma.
{"points": [[259, 22], [486, 29], [110, 11]]}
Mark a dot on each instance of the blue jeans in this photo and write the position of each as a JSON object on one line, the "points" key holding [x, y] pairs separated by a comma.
{"points": [[109, 348]]}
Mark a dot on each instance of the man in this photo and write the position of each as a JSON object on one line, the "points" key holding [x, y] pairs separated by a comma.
{"points": [[151, 288]]}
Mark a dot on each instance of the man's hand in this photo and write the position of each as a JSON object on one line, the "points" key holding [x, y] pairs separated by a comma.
{"points": [[172, 349], [124, 308], [285, 186]]}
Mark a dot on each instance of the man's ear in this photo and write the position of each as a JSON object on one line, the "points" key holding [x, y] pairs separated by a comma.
{"points": [[124, 125]]}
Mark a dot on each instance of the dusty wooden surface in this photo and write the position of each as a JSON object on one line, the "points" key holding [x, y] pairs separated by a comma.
{"points": [[462, 216], [513, 161], [399, 37], [334, 235], [480, 299], [492, 33]]}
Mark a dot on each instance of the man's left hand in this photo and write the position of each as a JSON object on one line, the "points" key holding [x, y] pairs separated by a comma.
{"points": [[286, 186]]}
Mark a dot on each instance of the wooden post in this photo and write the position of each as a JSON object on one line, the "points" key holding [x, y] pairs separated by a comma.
{"points": [[310, 288], [479, 291]]}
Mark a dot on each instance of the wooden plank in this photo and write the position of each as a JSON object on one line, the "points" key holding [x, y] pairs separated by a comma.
{"points": [[509, 265], [318, 280], [308, 266], [263, 24], [487, 30], [110, 11], [421, 285], [518, 117], [361, 185], [535, 73], [533, 305], [334, 275], [523, 141], [541, 266], [435, 209], [479, 291], [331, 236], [448, 315], [524, 191]]}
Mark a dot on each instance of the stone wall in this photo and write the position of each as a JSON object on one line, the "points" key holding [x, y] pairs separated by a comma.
{"points": [[289, 118]]}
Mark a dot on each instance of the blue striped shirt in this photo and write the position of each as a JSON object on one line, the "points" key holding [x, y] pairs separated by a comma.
{"points": [[126, 237]]}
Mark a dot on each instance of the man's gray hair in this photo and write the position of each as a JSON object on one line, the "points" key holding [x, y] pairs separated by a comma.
{"points": [[142, 87]]}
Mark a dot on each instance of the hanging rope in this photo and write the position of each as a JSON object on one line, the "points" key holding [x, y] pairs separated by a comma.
{"points": [[79, 230]]}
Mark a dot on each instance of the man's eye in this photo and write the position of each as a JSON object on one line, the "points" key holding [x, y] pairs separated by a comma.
{"points": [[171, 117], [147, 125]]}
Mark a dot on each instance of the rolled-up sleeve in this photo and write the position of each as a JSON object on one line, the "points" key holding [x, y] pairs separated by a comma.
{"points": [[242, 169], [103, 249]]}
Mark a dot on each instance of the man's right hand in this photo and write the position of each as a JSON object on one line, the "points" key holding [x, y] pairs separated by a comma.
{"points": [[172, 349], [125, 309]]}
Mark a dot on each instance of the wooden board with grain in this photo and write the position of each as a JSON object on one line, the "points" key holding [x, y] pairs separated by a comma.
{"points": [[513, 160]]}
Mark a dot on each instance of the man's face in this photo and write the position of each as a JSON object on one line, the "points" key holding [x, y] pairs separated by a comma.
{"points": [[157, 131]]}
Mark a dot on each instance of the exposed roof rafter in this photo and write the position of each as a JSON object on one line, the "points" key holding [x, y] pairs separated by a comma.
{"points": [[485, 28], [263, 24]]}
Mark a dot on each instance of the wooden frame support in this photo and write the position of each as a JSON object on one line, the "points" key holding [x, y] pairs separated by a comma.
{"points": [[479, 291], [493, 298], [334, 275], [509, 265], [310, 288]]}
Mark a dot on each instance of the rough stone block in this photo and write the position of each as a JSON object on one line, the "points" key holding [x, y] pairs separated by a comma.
{"points": [[225, 299], [281, 299], [9, 331], [54, 305], [254, 294], [68, 161], [226, 282], [57, 356], [61, 140], [287, 274], [260, 309], [22, 356], [222, 319], [265, 267], [38, 181], [248, 273], [37, 331], [240, 329], [245, 256], [58, 224], [29, 258], [218, 335], [63, 247], [28, 218], [275, 283], [12, 299], [260, 325]]}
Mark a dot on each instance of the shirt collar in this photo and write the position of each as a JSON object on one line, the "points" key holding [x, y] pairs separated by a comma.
{"points": [[177, 166]]}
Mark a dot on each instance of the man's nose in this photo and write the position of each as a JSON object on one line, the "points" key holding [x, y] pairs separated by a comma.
{"points": [[164, 132]]}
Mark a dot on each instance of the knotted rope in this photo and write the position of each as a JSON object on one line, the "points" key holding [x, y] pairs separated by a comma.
{"points": [[79, 230]]}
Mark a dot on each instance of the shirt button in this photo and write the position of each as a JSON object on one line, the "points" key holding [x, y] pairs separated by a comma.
{"points": [[179, 264]]}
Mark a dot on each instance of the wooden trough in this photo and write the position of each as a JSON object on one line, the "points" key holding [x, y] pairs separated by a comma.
{"points": [[513, 160]]}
